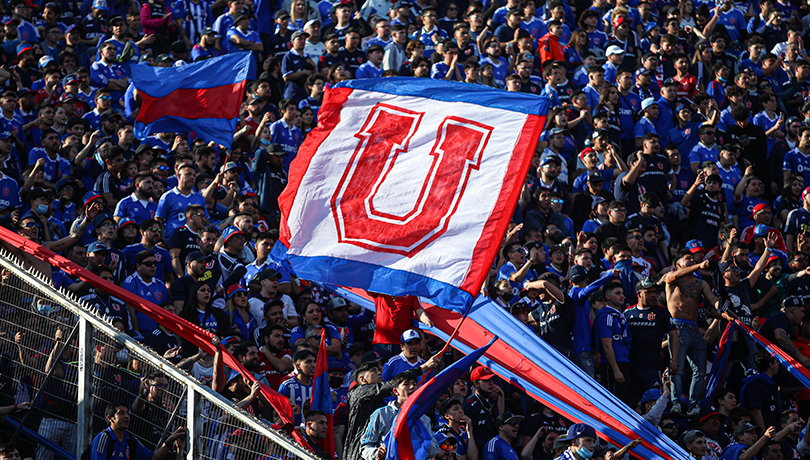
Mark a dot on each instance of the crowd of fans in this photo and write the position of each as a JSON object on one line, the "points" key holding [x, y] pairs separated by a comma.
{"points": [[667, 197]]}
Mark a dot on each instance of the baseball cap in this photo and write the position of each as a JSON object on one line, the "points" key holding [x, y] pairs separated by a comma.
{"points": [[232, 165], [508, 417], [100, 5], [10, 20], [127, 221], [599, 133], [265, 274], [114, 19], [555, 131], [231, 231], [45, 60], [481, 373], [23, 47], [232, 374], [743, 428], [335, 303], [596, 296], [648, 102], [613, 49], [239, 15], [596, 176], [758, 208], [619, 21], [282, 14], [37, 192], [450, 402], [101, 218], [371, 357], [91, 196], [644, 284], [805, 192], [196, 256], [597, 200], [409, 335], [299, 33], [694, 246], [651, 395], [233, 289], [275, 149], [645, 71], [335, 365], [97, 246], [355, 347], [724, 266], [549, 157], [519, 307], [577, 273], [4, 135], [706, 413], [110, 114], [208, 30], [761, 230], [312, 22], [690, 436], [579, 430], [793, 301]]}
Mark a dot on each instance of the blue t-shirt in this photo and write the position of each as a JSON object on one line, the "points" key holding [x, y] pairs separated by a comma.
{"points": [[154, 292], [761, 119], [498, 449], [9, 192], [54, 169], [162, 258], [367, 70], [701, 153], [98, 450], [684, 138], [743, 210], [504, 272], [427, 39], [440, 70], [612, 324], [135, 209], [499, 69], [797, 162], [398, 363], [289, 137], [172, 209], [230, 47], [299, 394], [734, 22], [731, 178]]}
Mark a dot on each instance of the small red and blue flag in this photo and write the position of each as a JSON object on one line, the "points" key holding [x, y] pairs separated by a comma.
{"points": [[410, 439], [322, 396], [204, 97]]}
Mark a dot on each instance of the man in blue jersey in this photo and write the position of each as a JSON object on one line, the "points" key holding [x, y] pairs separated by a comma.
{"points": [[151, 235], [144, 284], [172, 205], [285, 133], [798, 159], [798, 221], [299, 388], [240, 37], [500, 447], [412, 344], [138, 206], [117, 415]]}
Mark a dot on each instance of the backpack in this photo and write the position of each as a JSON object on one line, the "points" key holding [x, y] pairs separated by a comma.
{"points": [[88, 452]]}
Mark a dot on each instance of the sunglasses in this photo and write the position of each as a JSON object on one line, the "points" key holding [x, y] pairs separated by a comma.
{"points": [[162, 168], [668, 426], [240, 294], [29, 225], [447, 447], [149, 264], [556, 201], [637, 237], [105, 98], [154, 229]]}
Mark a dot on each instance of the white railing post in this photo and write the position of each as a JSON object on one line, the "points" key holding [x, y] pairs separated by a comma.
{"points": [[194, 424], [85, 389]]}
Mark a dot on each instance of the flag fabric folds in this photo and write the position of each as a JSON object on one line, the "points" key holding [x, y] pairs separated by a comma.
{"points": [[524, 360], [410, 439], [322, 395], [407, 185], [795, 369], [204, 97], [719, 365]]}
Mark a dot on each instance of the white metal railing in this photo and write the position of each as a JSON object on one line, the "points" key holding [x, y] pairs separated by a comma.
{"points": [[68, 400]]}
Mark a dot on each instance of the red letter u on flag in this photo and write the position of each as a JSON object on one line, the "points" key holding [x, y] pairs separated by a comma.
{"points": [[386, 134]]}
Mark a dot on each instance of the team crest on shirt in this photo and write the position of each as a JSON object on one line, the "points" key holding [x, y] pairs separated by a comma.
{"points": [[651, 316], [684, 184], [553, 310], [116, 307], [688, 130], [296, 409], [158, 295], [158, 256], [6, 191], [118, 378], [209, 265], [660, 165]]}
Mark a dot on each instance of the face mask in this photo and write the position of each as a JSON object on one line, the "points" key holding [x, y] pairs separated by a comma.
{"points": [[650, 245], [335, 382], [721, 79], [585, 453], [713, 194], [264, 142], [42, 208]]}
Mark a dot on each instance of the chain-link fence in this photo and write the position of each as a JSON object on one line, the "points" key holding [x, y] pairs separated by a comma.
{"points": [[70, 364]]}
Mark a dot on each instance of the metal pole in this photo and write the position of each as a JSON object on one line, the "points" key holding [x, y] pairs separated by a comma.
{"points": [[85, 388], [171, 419]]}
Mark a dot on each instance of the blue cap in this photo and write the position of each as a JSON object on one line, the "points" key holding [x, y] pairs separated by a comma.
{"points": [[577, 273], [232, 374], [61, 183], [793, 301], [233, 289], [4, 135], [650, 26], [127, 221], [336, 365], [651, 395], [578, 430], [549, 157], [70, 28], [97, 246], [101, 217], [694, 246], [100, 5], [91, 196], [409, 335], [231, 231], [23, 47], [682, 104], [761, 230]]}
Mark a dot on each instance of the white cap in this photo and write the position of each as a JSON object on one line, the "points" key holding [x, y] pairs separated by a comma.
{"points": [[311, 22], [647, 102], [613, 49]]}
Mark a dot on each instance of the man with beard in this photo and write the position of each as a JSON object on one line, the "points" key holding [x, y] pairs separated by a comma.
{"points": [[184, 240], [138, 206], [107, 73], [103, 103], [337, 315], [151, 235], [275, 361], [247, 353], [102, 301], [195, 263], [25, 72], [109, 182], [55, 166], [500, 447]]}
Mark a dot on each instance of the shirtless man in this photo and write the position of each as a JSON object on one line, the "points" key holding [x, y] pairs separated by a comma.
{"points": [[684, 292]]}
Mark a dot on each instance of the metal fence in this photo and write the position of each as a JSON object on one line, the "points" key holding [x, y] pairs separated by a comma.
{"points": [[70, 363]]}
